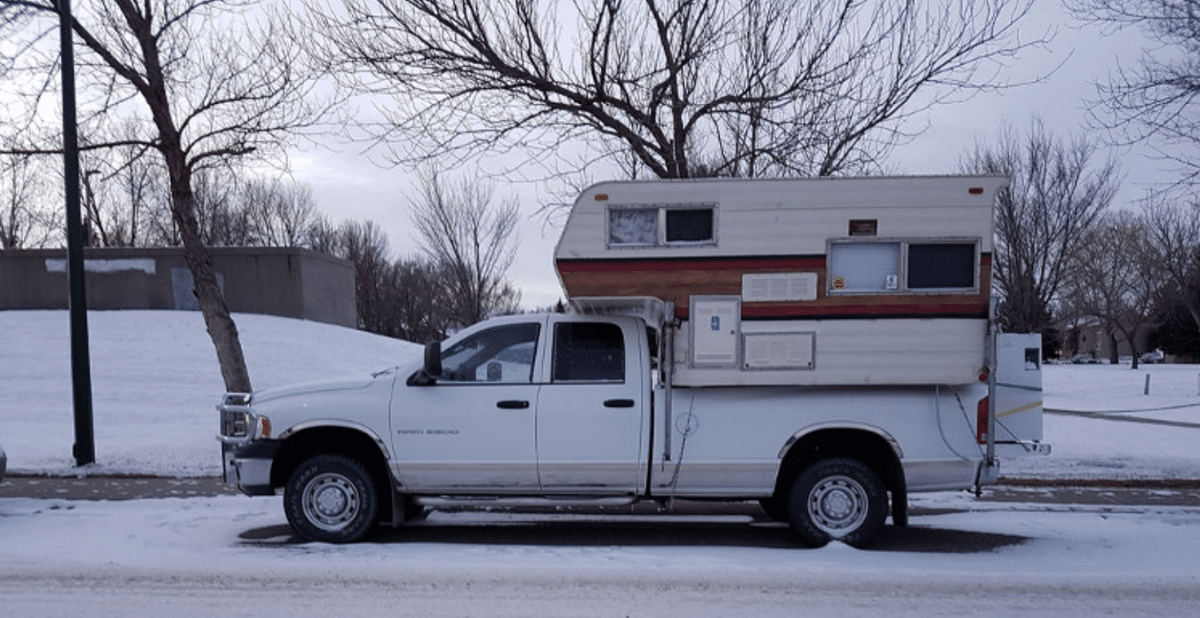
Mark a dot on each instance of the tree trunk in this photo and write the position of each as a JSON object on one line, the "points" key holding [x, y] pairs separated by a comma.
{"points": [[221, 328]]}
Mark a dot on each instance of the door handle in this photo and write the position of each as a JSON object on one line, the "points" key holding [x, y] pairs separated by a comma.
{"points": [[512, 404], [619, 403]]}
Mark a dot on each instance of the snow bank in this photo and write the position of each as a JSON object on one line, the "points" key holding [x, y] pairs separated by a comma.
{"points": [[155, 383]]}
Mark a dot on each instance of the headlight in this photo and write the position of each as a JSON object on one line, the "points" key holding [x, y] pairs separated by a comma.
{"points": [[235, 423], [244, 424]]}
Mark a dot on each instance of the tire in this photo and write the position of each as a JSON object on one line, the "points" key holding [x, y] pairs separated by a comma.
{"points": [[331, 499], [837, 499]]}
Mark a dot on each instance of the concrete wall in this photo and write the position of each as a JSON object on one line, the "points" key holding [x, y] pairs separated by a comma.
{"points": [[289, 282]]}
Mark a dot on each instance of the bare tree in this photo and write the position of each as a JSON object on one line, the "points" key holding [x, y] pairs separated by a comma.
{"points": [[745, 88], [210, 89], [124, 190], [470, 238], [1117, 276], [1174, 238], [24, 220], [1158, 95], [281, 213], [1054, 197]]}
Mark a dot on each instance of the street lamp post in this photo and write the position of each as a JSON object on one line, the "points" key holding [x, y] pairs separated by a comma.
{"points": [[84, 450]]}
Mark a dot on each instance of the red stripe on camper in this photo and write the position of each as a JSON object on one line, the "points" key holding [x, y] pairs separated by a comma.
{"points": [[765, 264]]}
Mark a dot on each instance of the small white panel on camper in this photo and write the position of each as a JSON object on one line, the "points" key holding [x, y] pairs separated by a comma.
{"points": [[716, 330], [765, 287], [779, 350]]}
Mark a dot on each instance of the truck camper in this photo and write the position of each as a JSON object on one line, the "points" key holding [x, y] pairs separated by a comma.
{"points": [[821, 346]]}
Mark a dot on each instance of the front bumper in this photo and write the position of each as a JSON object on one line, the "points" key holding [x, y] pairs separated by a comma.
{"points": [[247, 464]]}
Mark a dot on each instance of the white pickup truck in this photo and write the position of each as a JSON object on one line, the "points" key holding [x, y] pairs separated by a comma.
{"points": [[817, 412]]}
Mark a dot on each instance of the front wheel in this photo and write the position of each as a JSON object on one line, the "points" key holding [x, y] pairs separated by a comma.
{"points": [[837, 499], [331, 499]]}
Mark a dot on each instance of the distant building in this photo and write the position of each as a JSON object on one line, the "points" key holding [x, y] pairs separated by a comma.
{"points": [[1098, 340], [288, 282]]}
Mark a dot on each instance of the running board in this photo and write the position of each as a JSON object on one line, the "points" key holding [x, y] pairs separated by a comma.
{"points": [[521, 501]]}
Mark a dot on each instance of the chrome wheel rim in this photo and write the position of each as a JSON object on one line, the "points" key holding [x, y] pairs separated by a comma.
{"points": [[838, 505], [330, 501]]}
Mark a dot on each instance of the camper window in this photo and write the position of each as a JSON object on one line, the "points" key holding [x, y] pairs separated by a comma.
{"points": [[633, 226], [941, 265], [865, 267], [689, 225], [657, 226], [902, 266]]}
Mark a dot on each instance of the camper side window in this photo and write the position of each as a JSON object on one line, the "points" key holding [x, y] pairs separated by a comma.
{"points": [[941, 265], [657, 226], [902, 266], [633, 226]]}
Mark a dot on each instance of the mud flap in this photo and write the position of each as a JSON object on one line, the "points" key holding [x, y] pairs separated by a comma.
{"points": [[900, 506]]}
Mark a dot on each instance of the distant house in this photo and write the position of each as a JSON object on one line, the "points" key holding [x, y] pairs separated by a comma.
{"points": [[1094, 338], [288, 282]]}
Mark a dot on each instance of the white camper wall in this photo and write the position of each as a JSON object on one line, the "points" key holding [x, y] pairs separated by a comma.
{"points": [[814, 303], [787, 217]]}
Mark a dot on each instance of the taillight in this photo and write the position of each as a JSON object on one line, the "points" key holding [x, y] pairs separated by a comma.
{"points": [[981, 421]]}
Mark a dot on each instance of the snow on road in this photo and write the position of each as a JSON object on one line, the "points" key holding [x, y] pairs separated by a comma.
{"points": [[231, 555]]}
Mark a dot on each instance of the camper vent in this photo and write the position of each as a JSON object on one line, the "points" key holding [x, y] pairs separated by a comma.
{"points": [[779, 287], [779, 350]]}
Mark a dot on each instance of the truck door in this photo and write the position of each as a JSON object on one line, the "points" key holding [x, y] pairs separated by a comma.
{"points": [[591, 411], [474, 429]]}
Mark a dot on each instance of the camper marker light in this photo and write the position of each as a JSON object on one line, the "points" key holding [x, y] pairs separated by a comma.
{"points": [[983, 376], [975, 190], [601, 197]]}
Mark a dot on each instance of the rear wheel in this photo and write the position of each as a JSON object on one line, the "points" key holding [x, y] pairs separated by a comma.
{"points": [[837, 499], [332, 499]]}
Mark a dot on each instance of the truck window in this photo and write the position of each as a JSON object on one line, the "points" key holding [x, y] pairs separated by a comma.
{"points": [[503, 354], [588, 352]]}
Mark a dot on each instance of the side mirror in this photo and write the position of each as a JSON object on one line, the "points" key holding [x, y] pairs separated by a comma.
{"points": [[429, 374], [433, 359]]}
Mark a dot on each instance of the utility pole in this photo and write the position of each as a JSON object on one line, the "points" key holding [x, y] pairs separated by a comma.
{"points": [[81, 373]]}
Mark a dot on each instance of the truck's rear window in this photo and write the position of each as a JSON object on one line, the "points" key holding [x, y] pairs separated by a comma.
{"points": [[589, 351]]}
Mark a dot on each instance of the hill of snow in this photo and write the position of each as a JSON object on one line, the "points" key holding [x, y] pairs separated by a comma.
{"points": [[155, 382]]}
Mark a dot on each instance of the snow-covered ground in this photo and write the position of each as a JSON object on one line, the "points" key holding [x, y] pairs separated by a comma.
{"points": [[155, 385], [227, 556]]}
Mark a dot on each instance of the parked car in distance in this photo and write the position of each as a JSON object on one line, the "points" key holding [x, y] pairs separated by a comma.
{"points": [[1156, 356], [1084, 359]]}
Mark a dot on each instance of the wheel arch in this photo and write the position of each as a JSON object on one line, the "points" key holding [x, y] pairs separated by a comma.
{"points": [[873, 446], [352, 440]]}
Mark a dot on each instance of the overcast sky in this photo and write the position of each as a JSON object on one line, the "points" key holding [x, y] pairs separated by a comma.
{"points": [[349, 185]]}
